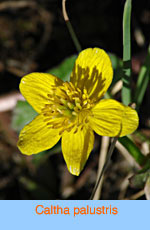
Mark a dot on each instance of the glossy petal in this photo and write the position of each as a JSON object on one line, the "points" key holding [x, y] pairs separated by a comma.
{"points": [[37, 136], [36, 86], [93, 71], [111, 118], [76, 148]]}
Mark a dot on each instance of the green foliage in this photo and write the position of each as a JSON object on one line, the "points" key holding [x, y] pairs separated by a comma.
{"points": [[126, 90], [143, 79], [63, 71], [133, 150], [139, 180], [117, 65], [142, 137], [22, 115]]}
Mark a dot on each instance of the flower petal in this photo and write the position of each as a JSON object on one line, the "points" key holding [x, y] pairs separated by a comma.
{"points": [[111, 118], [36, 86], [37, 136], [76, 147], [93, 71]]}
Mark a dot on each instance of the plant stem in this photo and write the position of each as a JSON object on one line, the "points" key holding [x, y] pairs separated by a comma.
{"points": [[126, 90], [105, 166], [70, 28]]}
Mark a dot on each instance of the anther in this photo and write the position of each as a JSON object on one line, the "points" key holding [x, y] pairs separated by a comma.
{"points": [[63, 101], [74, 113], [77, 100], [60, 111], [85, 91], [72, 86], [70, 105], [78, 106], [76, 109], [85, 102], [84, 96], [66, 112], [88, 106]]}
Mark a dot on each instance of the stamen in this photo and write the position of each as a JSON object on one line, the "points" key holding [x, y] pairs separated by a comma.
{"points": [[76, 109], [64, 102], [68, 102], [59, 110], [78, 106], [66, 112], [70, 105], [72, 86], [84, 96], [85, 102], [77, 100], [74, 113]]}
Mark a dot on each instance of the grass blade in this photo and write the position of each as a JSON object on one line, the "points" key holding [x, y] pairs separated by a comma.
{"points": [[142, 82], [133, 150], [126, 90]]}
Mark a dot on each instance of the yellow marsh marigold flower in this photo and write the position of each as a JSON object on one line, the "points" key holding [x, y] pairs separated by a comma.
{"points": [[72, 110]]}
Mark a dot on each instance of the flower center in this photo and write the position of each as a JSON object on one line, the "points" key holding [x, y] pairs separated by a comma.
{"points": [[65, 105]]}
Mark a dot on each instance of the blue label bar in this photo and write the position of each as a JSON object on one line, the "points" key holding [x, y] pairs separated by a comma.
{"points": [[74, 214]]}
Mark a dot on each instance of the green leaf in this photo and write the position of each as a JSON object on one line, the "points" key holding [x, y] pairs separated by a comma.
{"points": [[22, 115], [139, 180], [64, 70], [126, 90], [142, 137], [133, 150], [142, 82], [117, 65]]}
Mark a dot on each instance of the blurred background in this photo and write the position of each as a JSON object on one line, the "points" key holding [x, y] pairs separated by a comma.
{"points": [[34, 37]]}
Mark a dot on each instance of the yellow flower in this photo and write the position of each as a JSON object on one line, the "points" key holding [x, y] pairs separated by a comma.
{"points": [[72, 110]]}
